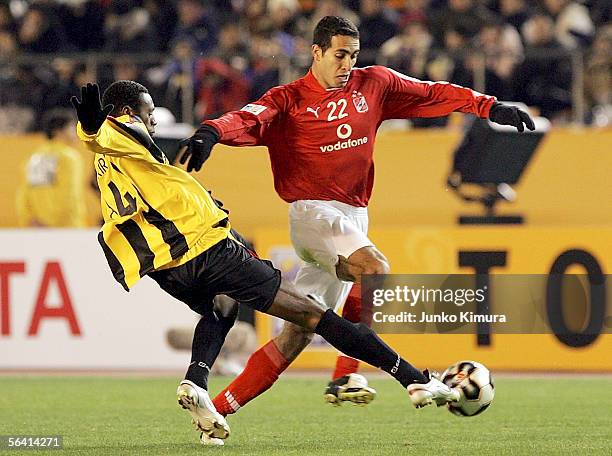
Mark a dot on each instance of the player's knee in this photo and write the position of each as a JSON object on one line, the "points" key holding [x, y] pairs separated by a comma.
{"points": [[292, 340], [293, 333], [378, 266], [304, 338], [313, 313], [226, 310]]}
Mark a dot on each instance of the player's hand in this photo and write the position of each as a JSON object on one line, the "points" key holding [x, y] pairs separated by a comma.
{"points": [[199, 147], [510, 115], [89, 109]]}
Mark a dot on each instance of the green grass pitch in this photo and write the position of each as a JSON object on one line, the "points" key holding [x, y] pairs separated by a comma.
{"points": [[139, 416]]}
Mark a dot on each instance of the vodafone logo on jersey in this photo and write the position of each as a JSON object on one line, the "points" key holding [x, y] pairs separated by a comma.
{"points": [[340, 145], [344, 131]]}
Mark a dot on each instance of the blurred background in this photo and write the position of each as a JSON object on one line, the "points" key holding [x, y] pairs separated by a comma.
{"points": [[200, 59]]}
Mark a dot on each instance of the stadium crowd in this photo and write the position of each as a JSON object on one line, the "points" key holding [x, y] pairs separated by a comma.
{"points": [[514, 49]]}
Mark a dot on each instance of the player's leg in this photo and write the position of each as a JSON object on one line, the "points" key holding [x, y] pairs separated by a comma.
{"points": [[351, 311], [354, 311], [325, 234], [192, 392], [346, 384], [267, 363], [263, 368], [209, 336], [257, 283], [355, 340], [360, 342]]}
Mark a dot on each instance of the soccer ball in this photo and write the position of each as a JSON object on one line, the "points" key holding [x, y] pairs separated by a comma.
{"points": [[475, 384]]}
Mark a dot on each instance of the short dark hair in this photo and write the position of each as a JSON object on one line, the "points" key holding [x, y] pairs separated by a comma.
{"points": [[123, 93], [56, 119], [330, 26]]}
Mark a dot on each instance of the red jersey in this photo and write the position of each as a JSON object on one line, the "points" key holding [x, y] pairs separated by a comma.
{"points": [[321, 141]]}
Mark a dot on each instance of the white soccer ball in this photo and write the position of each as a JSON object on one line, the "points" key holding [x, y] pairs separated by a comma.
{"points": [[475, 383]]}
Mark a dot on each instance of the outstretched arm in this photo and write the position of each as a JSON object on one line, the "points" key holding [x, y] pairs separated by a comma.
{"points": [[246, 127], [409, 97]]}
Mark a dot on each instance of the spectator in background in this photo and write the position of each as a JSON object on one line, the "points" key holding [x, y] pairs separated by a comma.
{"points": [[41, 32], [449, 62], [514, 12], [57, 86], [409, 51], [24, 89], [84, 24], [52, 192], [61, 84], [7, 21], [231, 48], [225, 71], [414, 11], [176, 76], [128, 28], [465, 15], [598, 78], [121, 68], [16, 116], [8, 44], [125, 70], [197, 24], [331, 8], [256, 17], [544, 78], [286, 27], [600, 11], [214, 77], [503, 51], [164, 19], [264, 69], [377, 26], [573, 25]]}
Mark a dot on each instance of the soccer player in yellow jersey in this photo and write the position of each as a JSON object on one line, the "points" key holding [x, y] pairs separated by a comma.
{"points": [[159, 221], [52, 191]]}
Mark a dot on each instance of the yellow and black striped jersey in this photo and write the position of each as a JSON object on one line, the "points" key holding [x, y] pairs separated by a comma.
{"points": [[156, 215]]}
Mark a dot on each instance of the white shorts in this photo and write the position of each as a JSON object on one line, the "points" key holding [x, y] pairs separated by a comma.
{"points": [[320, 232]]}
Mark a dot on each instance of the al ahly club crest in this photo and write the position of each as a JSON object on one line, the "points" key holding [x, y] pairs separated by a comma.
{"points": [[359, 101]]}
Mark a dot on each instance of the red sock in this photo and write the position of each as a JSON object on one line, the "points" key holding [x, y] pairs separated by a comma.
{"points": [[352, 312], [345, 365], [261, 371]]}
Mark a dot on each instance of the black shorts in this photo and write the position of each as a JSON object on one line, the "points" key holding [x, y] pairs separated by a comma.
{"points": [[227, 268]]}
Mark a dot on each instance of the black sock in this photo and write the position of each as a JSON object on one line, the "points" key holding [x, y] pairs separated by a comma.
{"points": [[359, 341], [208, 339]]}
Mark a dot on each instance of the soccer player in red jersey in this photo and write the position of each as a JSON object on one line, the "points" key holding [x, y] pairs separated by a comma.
{"points": [[320, 132]]}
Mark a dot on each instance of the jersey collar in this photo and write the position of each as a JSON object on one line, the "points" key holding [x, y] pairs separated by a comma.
{"points": [[312, 83]]}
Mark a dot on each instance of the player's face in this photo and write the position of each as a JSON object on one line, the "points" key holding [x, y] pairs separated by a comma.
{"points": [[145, 110], [333, 67]]}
